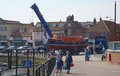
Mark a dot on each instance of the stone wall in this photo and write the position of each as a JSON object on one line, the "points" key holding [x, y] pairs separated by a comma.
{"points": [[113, 56]]}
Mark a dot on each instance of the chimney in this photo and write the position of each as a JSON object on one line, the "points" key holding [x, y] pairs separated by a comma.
{"points": [[32, 23], [72, 17], [100, 19], [94, 21]]}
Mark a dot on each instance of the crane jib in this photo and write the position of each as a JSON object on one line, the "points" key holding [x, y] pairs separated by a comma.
{"points": [[38, 13]]}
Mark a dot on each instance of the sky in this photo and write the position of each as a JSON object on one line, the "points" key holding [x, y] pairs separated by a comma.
{"points": [[56, 10]]}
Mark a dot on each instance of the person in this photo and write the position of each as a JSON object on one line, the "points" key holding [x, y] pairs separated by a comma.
{"points": [[86, 55], [94, 52], [89, 52], [68, 61], [61, 53], [56, 52], [104, 56], [103, 49], [58, 58], [61, 64]]}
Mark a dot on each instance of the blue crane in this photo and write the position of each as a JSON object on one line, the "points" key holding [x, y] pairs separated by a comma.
{"points": [[40, 16]]}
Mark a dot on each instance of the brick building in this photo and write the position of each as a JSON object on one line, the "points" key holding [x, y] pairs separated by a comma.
{"points": [[105, 28], [69, 28]]}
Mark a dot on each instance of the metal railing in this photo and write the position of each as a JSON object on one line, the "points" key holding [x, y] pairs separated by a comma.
{"points": [[46, 68], [15, 60]]}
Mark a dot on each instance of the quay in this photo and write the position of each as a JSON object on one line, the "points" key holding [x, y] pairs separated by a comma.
{"points": [[94, 67]]}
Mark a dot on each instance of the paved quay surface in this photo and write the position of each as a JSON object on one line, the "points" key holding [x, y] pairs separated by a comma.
{"points": [[94, 67]]}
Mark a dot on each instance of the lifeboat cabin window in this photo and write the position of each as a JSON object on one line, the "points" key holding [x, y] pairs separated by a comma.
{"points": [[60, 35]]}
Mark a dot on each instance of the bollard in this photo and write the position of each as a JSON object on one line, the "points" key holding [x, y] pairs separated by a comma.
{"points": [[109, 57]]}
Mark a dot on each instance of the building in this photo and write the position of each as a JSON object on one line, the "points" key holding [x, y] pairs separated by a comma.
{"points": [[10, 31], [7, 27], [105, 28], [69, 28], [28, 34], [40, 36], [23, 36]]}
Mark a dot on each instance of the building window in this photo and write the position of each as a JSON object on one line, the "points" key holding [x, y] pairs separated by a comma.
{"points": [[69, 31], [3, 29], [3, 37], [61, 24], [39, 25], [55, 35], [69, 24], [62, 31], [54, 25], [31, 30], [103, 34], [21, 30], [31, 38], [58, 35], [61, 35], [17, 38], [38, 43], [38, 33]]}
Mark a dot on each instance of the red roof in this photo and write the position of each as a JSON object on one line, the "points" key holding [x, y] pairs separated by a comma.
{"points": [[105, 26], [111, 26], [9, 21]]}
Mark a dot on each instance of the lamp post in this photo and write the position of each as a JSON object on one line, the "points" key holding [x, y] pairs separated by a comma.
{"points": [[115, 23]]}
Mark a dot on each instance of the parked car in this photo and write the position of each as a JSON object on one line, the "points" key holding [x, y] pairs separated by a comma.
{"points": [[2, 49], [27, 51], [23, 49], [11, 47]]}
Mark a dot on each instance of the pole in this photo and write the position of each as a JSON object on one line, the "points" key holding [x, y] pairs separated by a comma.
{"points": [[28, 71], [16, 61], [8, 59], [115, 24], [33, 60], [39, 74]]}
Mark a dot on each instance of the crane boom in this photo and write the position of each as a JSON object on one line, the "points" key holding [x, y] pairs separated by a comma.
{"points": [[38, 13]]}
